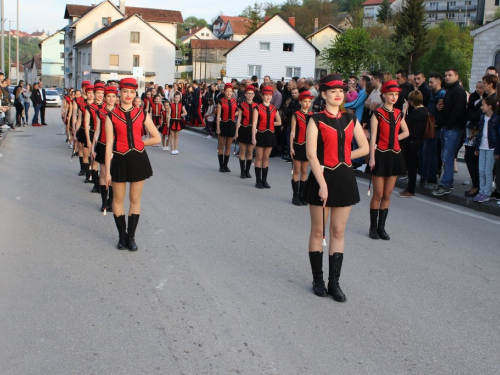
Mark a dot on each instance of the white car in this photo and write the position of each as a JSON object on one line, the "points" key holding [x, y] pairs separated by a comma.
{"points": [[53, 98]]}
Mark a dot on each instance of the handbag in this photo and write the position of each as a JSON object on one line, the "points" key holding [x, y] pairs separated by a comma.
{"points": [[429, 126]]}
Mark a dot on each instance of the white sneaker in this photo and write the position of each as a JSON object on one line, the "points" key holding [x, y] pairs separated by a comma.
{"points": [[177, 152], [167, 148], [209, 137], [173, 152], [467, 182]]}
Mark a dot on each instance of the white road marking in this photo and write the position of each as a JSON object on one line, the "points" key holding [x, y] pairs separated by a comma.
{"points": [[440, 205]]}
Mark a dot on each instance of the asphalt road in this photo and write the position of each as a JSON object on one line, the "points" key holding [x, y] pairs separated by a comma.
{"points": [[221, 283]]}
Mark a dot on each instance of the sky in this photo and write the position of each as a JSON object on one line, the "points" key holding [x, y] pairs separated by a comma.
{"points": [[49, 14]]}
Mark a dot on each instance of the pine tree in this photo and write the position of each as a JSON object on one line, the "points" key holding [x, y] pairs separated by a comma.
{"points": [[410, 23], [385, 13], [255, 18]]}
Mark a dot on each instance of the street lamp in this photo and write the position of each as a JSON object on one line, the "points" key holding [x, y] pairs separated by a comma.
{"points": [[222, 73]]}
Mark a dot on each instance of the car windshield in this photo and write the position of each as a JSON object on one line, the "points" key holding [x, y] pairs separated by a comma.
{"points": [[52, 93]]}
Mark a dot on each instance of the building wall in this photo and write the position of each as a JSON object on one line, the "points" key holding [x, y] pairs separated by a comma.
{"points": [[321, 41], [157, 56], [92, 21], [275, 61], [52, 62], [489, 10], [486, 46], [167, 29]]}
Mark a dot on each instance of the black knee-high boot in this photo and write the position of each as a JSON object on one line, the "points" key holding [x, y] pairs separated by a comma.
{"points": [[242, 169], [110, 199], [316, 259], [87, 172], [95, 180], [221, 163], [121, 225], [132, 225], [226, 160], [104, 194], [295, 197], [334, 290], [373, 233], [382, 216], [264, 178], [247, 169], [258, 178], [302, 185], [82, 169]]}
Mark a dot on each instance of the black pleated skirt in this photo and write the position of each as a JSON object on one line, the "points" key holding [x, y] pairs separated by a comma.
{"points": [[342, 188], [80, 135], [227, 129], [300, 152], [176, 125], [91, 136], [245, 134], [131, 167], [265, 139], [100, 152], [388, 164]]}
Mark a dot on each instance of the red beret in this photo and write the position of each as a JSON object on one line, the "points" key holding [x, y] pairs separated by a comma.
{"points": [[250, 88], [86, 83], [390, 86], [331, 81], [267, 90], [305, 95], [128, 83], [89, 88], [99, 87], [110, 90], [228, 86]]}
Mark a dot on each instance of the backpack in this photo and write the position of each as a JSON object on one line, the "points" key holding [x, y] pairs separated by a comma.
{"points": [[429, 126]]}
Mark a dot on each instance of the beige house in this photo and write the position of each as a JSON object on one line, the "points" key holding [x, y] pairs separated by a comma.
{"points": [[202, 33], [88, 20], [322, 39]]}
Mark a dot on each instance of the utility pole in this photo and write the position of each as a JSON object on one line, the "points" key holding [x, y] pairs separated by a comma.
{"points": [[9, 44], [18, 71], [3, 36]]}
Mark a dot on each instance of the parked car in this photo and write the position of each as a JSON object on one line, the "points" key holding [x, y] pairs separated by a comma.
{"points": [[60, 90], [53, 98]]}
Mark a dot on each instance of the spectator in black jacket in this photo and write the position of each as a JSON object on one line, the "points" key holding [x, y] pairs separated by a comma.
{"points": [[290, 106], [454, 107], [36, 99], [405, 86], [423, 87]]}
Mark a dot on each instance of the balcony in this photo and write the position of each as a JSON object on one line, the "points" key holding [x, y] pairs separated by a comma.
{"points": [[463, 8], [455, 8], [368, 15]]}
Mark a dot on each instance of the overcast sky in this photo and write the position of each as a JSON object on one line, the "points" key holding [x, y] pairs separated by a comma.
{"points": [[49, 14]]}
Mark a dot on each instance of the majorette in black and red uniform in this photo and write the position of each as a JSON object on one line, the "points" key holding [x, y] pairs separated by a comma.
{"points": [[176, 121], [156, 110], [299, 141], [93, 109], [228, 109], [69, 102], [165, 127], [388, 158], [247, 113], [265, 125], [130, 161], [82, 107], [335, 134], [100, 146]]}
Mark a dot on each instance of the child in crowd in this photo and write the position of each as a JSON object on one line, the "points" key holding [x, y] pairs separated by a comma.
{"points": [[165, 139], [210, 117], [487, 147], [156, 113], [352, 94]]}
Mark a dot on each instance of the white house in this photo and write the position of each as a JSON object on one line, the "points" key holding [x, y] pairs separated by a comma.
{"points": [[370, 10], [322, 39], [220, 23], [275, 49], [202, 33], [33, 69], [126, 43], [84, 21], [486, 50], [52, 51]]}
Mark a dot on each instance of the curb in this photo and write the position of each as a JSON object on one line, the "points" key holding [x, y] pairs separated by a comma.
{"points": [[450, 198]]}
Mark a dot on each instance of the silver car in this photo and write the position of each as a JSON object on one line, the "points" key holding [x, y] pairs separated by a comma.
{"points": [[53, 98]]}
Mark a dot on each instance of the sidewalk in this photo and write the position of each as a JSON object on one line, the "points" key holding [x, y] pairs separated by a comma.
{"points": [[455, 197]]}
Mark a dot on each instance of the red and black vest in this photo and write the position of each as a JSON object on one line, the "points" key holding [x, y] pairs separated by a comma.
{"points": [[300, 126], [128, 127], [389, 123], [175, 111], [266, 117], [335, 135], [228, 109], [156, 109], [81, 103], [68, 99], [247, 113], [94, 111], [148, 103], [103, 113]]}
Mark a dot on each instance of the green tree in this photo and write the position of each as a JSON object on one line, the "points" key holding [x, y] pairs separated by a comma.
{"points": [[355, 9], [189, 23], [255, 18], [410, 23], [497, 14], [348, 53], [385, 14], [442, 56]]}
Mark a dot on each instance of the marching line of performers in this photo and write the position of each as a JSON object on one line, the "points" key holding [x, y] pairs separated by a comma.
{"points": [[110, 135]]}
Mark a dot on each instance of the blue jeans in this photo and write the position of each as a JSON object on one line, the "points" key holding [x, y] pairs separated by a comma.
{"points": [[449, 143], [430, 156], [26, 110], [37, 110], [486, 162]]}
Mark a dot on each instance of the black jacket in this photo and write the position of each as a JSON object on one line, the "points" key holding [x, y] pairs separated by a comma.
{"points": [[455, 106], [426, 92], [36, 98], [474, 110], [406, 88]]}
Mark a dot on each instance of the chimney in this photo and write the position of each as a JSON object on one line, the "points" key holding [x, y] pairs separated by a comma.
{"points": [[291, 21], [316, 26], [266, 18], [122, 6]]}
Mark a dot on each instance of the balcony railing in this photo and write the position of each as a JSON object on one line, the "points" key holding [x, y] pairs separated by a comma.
{"points": [[455, 8], [369, 15]]}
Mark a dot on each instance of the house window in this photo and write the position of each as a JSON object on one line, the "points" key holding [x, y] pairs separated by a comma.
{"points": [[105, 21], [468, 3], [114, 60], [254, 70], [450, 15], [62, 55], [135, 37], [288, 47], [320, 73], [292, 72], [61, 41], [452, 3], [90, 59], [265, 46], [135, 61]]}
